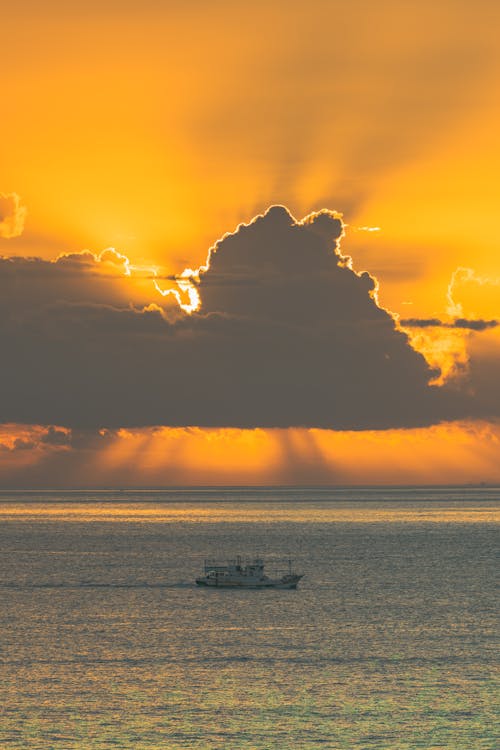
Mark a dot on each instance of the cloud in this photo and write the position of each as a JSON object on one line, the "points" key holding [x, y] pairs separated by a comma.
{"points": [[85, 278], [23, 445], [463, 323], [12, 215], [286, 334], [34, 438], [56, 436]]}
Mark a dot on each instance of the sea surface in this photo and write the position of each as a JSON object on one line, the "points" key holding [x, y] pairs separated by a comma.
{"points": [[390, 640]]}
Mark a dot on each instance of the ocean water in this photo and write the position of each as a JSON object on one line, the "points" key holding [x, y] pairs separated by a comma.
{"points": [[390, 641]]}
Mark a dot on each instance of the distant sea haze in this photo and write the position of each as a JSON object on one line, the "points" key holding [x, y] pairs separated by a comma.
{"points": [[388, 642]]}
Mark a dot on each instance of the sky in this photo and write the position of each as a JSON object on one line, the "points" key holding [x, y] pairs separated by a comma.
{"points": [[249, 243]]}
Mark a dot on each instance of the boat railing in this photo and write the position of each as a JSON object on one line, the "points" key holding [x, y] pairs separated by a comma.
{"points": [[281, 566]]}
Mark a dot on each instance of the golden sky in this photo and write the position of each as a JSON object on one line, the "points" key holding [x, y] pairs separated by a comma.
{"points": [[154, 128]]}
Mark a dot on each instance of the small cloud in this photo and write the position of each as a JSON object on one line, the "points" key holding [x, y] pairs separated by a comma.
{"points": [[471, 325], [12, 215], [23, 445], [475, 325], [55, 436], [421, 323]]}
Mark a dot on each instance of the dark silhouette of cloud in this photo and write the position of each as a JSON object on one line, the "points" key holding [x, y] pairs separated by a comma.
{"points": [[54, 436], [23, 445], [471, 325], [287, 334], [32, 283], [421, 323]]}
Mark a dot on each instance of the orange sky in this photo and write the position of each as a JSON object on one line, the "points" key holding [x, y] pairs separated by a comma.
{"points": [[156, 128]]}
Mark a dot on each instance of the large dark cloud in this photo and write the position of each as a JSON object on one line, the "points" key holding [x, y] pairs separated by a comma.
{"points": [[287, 335]]}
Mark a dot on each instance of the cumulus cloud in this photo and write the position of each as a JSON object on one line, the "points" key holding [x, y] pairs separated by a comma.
{"points": [[12, 215], [286, 334]]}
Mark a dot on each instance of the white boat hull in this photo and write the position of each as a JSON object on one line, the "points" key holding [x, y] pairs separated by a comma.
{"points": [[289, 583]]}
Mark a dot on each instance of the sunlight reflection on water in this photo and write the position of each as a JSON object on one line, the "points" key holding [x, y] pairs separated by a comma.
{"points": [[388, 643], [485, 511]]}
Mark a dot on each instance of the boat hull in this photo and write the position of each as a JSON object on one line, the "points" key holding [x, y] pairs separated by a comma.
{"points": [[266, 584]]}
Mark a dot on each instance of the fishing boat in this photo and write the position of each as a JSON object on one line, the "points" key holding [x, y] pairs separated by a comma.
{"points": [[248, 574]]}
